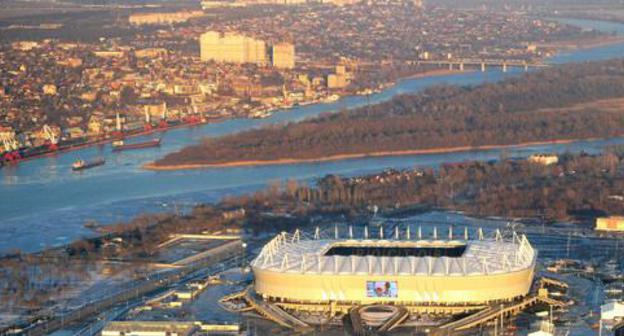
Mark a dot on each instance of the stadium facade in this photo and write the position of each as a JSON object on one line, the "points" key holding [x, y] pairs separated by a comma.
{"points": [[310, 273]]}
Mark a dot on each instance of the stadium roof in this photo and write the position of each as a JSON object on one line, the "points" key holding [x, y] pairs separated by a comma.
{"points": [[428, 257]]}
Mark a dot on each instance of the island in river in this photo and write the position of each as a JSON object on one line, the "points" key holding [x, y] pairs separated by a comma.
{"points": [[558, 104]]}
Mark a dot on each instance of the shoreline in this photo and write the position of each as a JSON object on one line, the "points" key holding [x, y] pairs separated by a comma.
{"points": [[104, 141], [440, 72], [559, 46], [338, 157], [583, 44], [98, 142], [431, 73]]}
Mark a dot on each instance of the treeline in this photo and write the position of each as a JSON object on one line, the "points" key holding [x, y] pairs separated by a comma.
{"points": [[578, 187], [532, 107]]}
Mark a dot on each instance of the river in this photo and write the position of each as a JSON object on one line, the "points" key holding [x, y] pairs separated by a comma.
{"points": [[43, 203]]}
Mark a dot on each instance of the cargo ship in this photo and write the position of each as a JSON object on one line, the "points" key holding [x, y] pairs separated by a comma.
{"points": [[261, 114], [24, 153], [119, 145], [81, 164]]}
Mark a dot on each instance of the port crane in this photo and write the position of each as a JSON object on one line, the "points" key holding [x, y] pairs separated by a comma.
{"points": [[163, 119], [11, 147], [51, 138], [117, 133], [148, 123], [193, 116]]}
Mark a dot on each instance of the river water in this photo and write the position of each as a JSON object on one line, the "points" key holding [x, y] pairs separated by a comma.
{"points": [[43, 203]]}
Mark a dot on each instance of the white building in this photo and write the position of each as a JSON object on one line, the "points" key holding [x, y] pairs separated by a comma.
{"points": [[283, 55], [612, 311], [232, 48]]}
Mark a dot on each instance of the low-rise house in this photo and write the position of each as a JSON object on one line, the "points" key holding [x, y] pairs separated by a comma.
{"points": [[544, 159], [49, 89], [75, 132], [95, 126]]}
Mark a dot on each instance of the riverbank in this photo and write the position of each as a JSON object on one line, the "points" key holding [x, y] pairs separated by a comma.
{"points": [[99, 141], [584, 44], [103, 141], [434, 73], [154, 167], [509, 114]]}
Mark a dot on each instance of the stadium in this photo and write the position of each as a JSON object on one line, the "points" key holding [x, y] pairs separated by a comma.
{"points": [[406, 272], [298, 276]]}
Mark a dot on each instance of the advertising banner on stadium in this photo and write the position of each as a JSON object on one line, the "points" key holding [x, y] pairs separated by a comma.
{"points": [[378, 289]]}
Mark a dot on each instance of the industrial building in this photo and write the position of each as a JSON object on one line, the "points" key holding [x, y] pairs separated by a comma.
{"points": [[232, 48], [612, 311], [612, 223]]}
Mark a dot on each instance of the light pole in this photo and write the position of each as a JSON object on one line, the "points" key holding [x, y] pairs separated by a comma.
{"points": [[244, 254]]}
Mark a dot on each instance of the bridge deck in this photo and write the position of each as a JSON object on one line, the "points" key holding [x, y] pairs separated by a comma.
{"points": [[553, 282], [356, 321], [395, 320], [273, 312], [494, 313]]}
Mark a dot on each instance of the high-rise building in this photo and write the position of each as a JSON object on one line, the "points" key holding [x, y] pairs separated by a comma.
{"points": [[232, 48], [339, 79], [335, 81], [283, 55]]}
